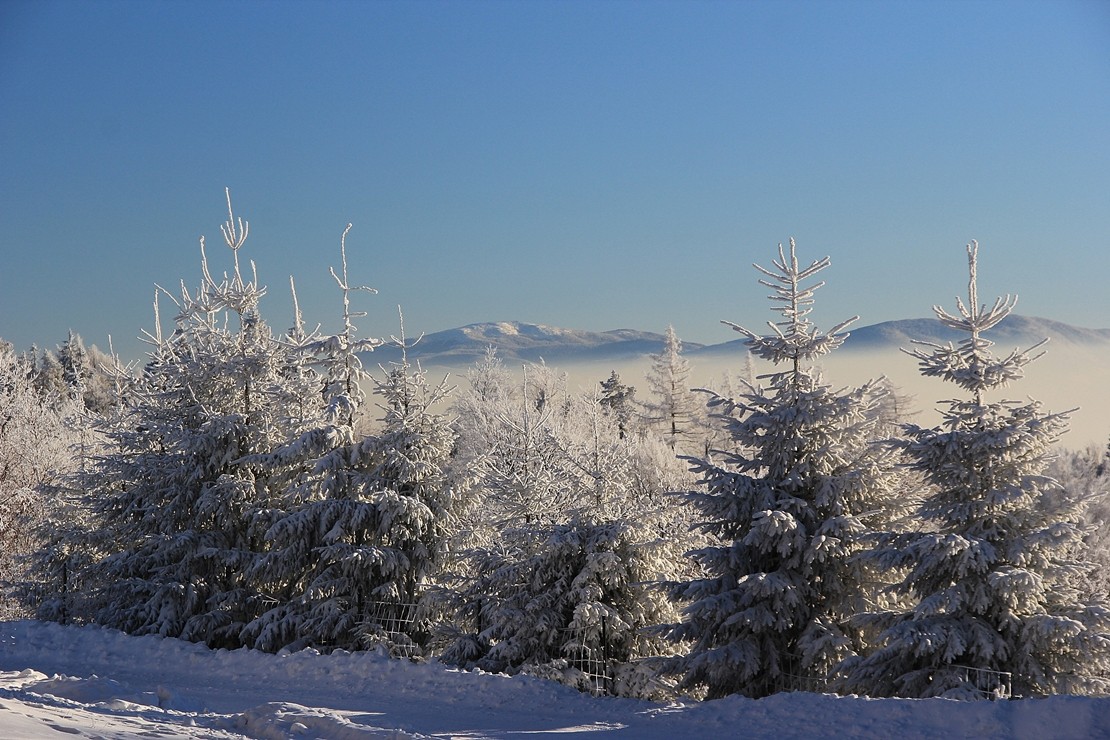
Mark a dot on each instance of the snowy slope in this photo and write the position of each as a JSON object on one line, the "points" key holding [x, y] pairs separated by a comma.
{"points": [[89, 682]]}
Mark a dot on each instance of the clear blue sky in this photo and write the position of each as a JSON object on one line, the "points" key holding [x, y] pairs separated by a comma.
{"points": [[594, 165]]}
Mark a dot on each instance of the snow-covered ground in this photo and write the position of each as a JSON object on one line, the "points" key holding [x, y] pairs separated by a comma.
{"points": [[89, 682]]}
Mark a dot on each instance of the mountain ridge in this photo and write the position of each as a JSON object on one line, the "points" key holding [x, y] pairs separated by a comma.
{"points": [[517, 341]]}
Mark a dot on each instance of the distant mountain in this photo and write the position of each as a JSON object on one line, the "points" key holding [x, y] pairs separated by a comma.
{"points": [[1012, 331], [520, 342]]}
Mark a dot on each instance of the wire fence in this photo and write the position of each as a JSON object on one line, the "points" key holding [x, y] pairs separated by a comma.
{"points": [[394, 625], [591, 661], [989, 683], [793, 677], [592, 669]]}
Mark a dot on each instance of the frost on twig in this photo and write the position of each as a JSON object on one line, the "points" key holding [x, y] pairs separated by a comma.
{"points": [[795, 339], [970, 364]]}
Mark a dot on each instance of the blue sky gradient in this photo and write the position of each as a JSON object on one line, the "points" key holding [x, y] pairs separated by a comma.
{"points": [[595, 165]]}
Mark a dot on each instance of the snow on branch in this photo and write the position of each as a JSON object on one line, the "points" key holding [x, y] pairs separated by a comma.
{"points": [[970, 364], [795, 338]]}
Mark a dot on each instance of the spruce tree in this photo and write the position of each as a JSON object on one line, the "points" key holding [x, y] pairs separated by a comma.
{"points": [[361, 531], [76, 365], [566, 531], [299, 471], [783, 510], [176, 499], [993, 588], [672, 409], [619, 399], [366, 529], [37, 434], [50, 377]]}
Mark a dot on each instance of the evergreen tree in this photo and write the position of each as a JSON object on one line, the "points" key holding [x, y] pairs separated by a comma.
{"points": [[784, 513], [567, 529], [175, 497], [50, 376], [1082, 477], [672, 408], [366, 530], [564, 601], [362, 528], [620, 400], [67, 535], [991, 580], [478, 408], [35, 451], [87, 374], [518, 459], [101, 387], [76, 366]]}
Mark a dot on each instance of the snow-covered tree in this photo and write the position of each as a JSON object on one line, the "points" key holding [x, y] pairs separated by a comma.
{"points": [[175, 500], [992, 585], [567, 601], [672, 409], [510, 436], [784, 510], [49, 376], [101, 386], [67, 533], [76, 365], [76, 372], [620, 400], [366, 529], [1084, 477], [362, 526], [35, 451], [567, 527]]}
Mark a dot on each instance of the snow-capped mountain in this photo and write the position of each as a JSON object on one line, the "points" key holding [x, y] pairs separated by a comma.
{"points": [[517, 341]]}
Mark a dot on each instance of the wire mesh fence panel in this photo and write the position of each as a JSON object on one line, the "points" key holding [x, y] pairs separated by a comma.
{"points": [[588, 654], [799, 682], [793, 677], [394, 625], [592, 666], [991, 684]]}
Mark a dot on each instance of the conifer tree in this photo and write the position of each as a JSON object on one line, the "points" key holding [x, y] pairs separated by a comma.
{"points": [[362, 527], [783, 510], [87, 373], [175, 497], [50, 377], [673, 408], [36, 435], [573, 529], [619, 399], [513, 442], [1082, 475], [366, 529], [568, 599], [993, 587], [75, 362], [297, 468]]}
